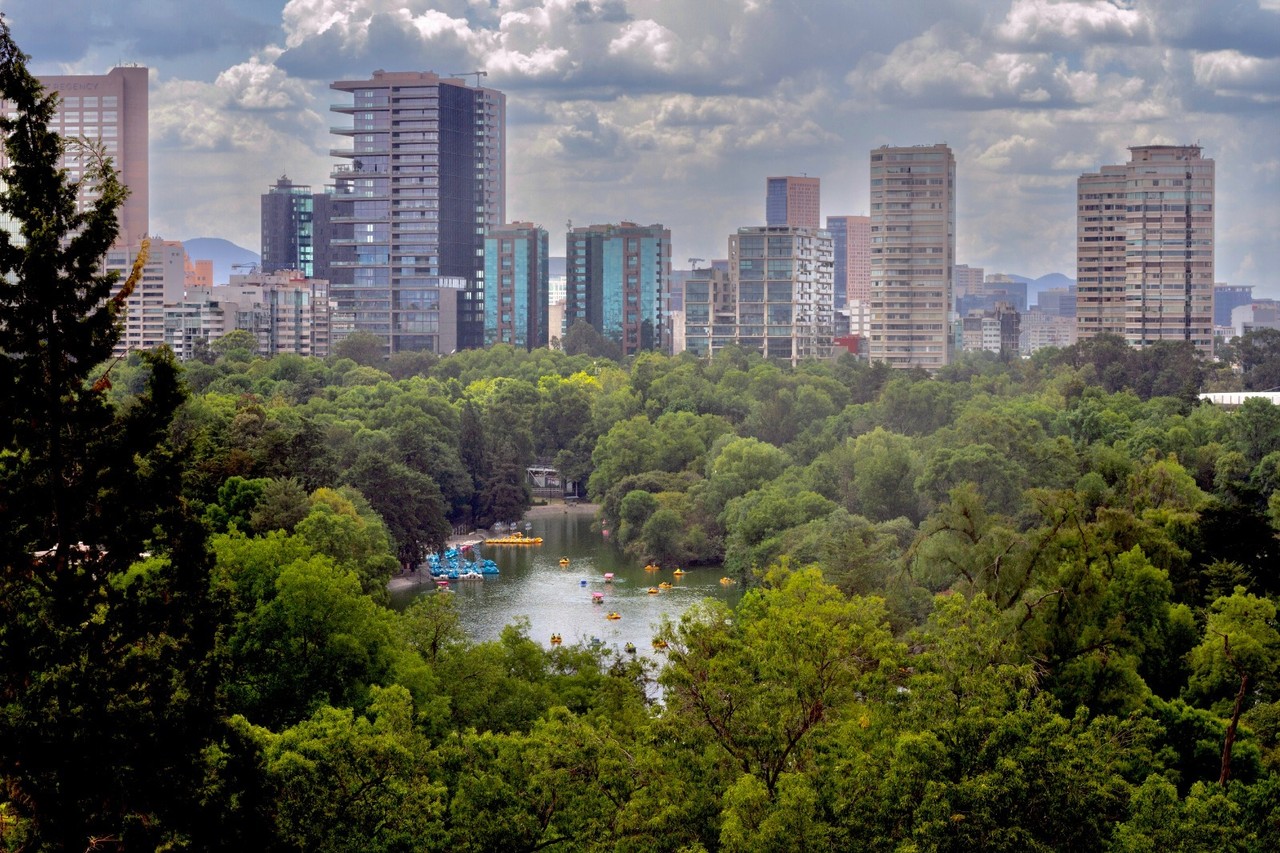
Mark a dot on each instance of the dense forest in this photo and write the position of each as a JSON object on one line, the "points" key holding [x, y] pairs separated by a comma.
{"points": [[1018, 605]]}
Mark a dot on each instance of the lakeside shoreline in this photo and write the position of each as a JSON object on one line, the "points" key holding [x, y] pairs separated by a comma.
{"points": [[422, 578]]}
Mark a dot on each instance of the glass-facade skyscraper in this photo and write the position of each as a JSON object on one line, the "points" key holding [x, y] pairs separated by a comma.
{"points": [[615, 279], [516, 278], [287, 228], [792, 200], [414, 195]]}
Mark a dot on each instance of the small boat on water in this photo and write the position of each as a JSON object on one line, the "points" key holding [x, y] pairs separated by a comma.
{"points": [[597, 598], [613, 614], [516, 538], [608, 577], [555, 639], [651, 567], [664, 585], [472, 575], [653, 590], [726, 581], [630, 648], [564, 561], [659, 645], [679, 572]]}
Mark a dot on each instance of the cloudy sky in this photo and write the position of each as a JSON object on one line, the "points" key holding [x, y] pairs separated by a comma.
{"points": [[675, 111]]}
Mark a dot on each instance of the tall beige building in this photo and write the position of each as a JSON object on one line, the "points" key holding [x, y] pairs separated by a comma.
{"points": [[913, 247], [1100, 252], [111, 108], [164, 277], [1150, 221]]}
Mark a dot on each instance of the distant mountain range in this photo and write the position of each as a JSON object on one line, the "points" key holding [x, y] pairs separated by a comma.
{"points": [[224, 254]]}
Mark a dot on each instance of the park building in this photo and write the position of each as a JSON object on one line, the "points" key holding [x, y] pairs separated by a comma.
{"points": [[517, 276]]}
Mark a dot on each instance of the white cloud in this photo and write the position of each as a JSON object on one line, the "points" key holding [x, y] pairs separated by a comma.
{"points": [[1232, 73], [1037, 24]]}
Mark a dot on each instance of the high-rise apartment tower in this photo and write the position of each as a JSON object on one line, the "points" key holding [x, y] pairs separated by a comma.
{"points": [[1150, 221], [414, 195], [913, 247], [110, 109], [851, 244]]}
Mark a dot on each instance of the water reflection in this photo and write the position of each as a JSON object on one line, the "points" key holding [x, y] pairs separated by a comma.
{"points": [[558, 600]]}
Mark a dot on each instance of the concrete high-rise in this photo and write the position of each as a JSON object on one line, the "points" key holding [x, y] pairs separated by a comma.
{"points": [[780, 279], [913, 239], [1163, 242], [423, 182], [163, 281], [288, 235], [616, 279], [110, 109], [516, 286], [1100, 252], [793, 201]]}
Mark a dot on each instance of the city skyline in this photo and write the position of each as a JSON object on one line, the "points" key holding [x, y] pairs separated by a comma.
{"points": [[675, 112]]}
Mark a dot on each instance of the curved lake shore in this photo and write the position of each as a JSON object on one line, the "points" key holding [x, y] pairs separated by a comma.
{"points": [[421, 578]]}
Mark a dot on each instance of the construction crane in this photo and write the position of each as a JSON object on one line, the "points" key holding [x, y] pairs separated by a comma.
{"points": [[693, 262], [476, 74]]}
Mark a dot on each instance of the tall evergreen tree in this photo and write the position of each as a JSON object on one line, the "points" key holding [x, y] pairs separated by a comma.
{"points": [[107, 683]]}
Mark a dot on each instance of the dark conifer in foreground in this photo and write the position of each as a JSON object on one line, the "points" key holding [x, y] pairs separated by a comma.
{"points": [[106, 630]]}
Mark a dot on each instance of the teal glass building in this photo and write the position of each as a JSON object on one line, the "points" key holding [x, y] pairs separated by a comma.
{"points": [[516, 277], [616, 279]]}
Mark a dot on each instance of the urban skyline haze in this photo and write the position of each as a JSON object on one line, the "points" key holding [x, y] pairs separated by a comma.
{"points": [[675, 112]]}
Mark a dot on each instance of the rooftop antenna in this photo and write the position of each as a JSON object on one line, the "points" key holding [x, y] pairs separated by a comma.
{"points": [[476, 74]]}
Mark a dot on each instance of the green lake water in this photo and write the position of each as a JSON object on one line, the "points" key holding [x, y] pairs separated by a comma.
{"points": [[533, 585]]}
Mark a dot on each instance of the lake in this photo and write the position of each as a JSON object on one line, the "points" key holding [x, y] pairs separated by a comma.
{"points": [[532, 584]]}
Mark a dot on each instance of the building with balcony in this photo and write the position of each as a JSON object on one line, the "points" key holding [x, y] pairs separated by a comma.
{"points": [[781, 287], [913, 247], [1145, 248], [284, 311], [421, 183], [163, 280]]}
